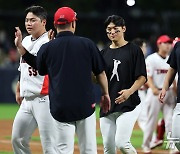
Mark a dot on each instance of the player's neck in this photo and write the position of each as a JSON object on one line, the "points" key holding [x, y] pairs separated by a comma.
{"points": [[118, 44], [37, 35], [162, 54]]}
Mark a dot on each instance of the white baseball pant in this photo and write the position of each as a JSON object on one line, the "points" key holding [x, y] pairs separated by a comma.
{"points": [[86, 133], [116, 130], [33, 113], [176, 124], [143, 113], [153, 110]]}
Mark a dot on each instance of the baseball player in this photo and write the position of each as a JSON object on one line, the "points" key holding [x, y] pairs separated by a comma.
{"points": [[157, 140], [32, 90], [142, 44], [143, 90], [126, 73], [158, 137], [156, 71], [173, 61], [69, 61]]}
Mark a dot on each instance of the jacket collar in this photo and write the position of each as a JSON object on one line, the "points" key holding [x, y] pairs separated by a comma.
{"points": [[64, 33]]}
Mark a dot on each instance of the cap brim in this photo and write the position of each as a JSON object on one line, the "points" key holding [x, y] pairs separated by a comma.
{"points": [[168, 41]]}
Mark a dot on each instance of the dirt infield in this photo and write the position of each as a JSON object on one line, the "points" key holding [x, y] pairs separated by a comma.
{"points": [[5, 144]]}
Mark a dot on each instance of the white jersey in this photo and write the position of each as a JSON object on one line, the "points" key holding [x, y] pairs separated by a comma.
{"points": [[31, 83], [157, 68]]}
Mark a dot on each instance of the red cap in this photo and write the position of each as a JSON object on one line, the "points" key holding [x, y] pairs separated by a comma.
{"points": [[164, 39], [64, 15]]}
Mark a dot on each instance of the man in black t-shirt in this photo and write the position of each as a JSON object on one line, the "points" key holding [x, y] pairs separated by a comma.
{"points": [[174, 62], [126, 73]]}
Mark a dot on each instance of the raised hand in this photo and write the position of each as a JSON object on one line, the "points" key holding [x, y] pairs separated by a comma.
{"points": [[18, 37], [18, 41], [51, 34]]}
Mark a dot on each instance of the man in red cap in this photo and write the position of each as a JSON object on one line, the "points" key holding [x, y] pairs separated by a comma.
{"points": [[156, 71], [160, 129], [164, 39], [69, 61]]}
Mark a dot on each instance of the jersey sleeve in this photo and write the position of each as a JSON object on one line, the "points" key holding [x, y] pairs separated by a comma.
{"points": [[41, 60], [149, 66], [140, 66], [172, 61], [98, 64]]}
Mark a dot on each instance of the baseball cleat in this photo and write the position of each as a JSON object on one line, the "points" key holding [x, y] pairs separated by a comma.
{"points": [[156, 144]]}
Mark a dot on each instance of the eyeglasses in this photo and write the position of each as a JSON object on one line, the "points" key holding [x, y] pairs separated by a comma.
{"points": [[109, 32]]}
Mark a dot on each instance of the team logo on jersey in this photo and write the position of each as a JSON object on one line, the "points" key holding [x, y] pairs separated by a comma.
{"points": [[115, 72], [162, 71]]}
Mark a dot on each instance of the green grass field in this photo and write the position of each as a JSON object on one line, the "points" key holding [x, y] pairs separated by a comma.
{"points": [[8, 112]]}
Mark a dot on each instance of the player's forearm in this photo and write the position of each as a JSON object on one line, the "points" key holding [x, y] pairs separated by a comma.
{"points": [[21, 50], [18, 87], [137, 84], [102, 80], [150, 83], [18, 97], [169, 78]]}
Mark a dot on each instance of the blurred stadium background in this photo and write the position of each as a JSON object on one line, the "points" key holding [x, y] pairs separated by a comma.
{"points": [[145, 19]]}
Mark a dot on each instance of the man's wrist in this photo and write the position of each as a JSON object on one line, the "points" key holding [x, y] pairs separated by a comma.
{"points": [[165, 88], [131, 91], [104, 93], [154, 88]]}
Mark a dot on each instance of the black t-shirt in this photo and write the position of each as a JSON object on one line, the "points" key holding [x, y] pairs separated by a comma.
{"points": [[174, 62], [69, 61], [123, 66]]}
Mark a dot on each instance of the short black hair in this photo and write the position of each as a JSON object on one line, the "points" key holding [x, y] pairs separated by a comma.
{"points": [[39, 11], [139, 41], [115, 19], [63, 26]]}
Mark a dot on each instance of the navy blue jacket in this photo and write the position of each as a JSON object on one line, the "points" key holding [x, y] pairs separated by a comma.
{"points": [[174, 62], [69, 61]]}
